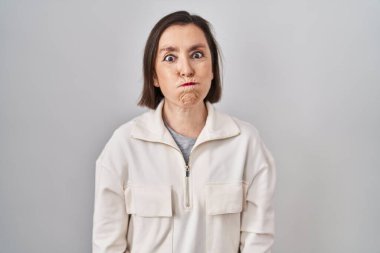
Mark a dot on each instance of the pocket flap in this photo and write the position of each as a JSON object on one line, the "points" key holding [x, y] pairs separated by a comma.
{"points": [[149, 201], [222, 198]]}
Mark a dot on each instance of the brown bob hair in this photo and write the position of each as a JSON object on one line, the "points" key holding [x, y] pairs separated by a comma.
{"points": [[152, 95]]}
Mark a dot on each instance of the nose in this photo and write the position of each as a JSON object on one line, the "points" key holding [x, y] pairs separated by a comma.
{"points": [[185, 68]]}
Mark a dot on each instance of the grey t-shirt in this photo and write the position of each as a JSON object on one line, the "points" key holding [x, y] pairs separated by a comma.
{"points": [[184, 143]]}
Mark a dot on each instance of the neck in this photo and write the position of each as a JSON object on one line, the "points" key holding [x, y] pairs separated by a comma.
{"points": [[185, 121]]}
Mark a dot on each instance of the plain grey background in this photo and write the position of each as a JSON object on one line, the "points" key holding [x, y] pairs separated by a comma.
{"points": [[305, 73]]}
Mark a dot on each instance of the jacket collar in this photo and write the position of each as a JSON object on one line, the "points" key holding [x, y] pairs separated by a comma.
{"points": [[150, 127]]}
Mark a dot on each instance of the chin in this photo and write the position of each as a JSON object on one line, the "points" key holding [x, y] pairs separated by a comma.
{"points": [[190, 102]]}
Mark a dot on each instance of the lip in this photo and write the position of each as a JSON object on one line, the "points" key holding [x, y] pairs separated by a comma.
{"points": [[188, 84]]}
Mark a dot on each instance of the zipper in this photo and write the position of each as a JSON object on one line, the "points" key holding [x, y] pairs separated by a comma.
{"points": [[187, 175], [187, 190]]}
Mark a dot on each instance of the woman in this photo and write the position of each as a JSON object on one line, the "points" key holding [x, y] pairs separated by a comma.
{"points": [[183, 177]]}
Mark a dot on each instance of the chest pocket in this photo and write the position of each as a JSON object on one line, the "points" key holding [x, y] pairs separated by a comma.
{"points": [[224, 204], [151, 221]]}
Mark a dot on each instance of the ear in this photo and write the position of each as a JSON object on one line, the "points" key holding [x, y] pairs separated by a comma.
{"points": [[155, 81]]}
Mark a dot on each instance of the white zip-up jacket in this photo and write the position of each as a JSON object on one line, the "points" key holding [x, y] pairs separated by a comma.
{"points": [[148, 200]]}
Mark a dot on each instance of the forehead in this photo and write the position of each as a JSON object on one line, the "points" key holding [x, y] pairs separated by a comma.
{"points": [[182, 35]]}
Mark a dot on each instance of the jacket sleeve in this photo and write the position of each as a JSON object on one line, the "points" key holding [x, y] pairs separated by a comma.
{"points": [[110, 219], [257, 227]]}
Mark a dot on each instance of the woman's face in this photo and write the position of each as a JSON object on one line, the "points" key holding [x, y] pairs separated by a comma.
{"points": [[183, 65]]}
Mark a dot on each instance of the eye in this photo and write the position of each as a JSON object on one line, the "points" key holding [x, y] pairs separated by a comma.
{"points": [[198, 55], [169, 58]]}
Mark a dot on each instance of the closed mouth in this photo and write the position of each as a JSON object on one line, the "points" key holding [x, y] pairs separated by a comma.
{"points": [[188, 84]]}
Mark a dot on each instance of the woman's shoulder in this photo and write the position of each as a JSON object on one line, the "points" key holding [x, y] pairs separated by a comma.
{"points": [[246, 126], [250, 133], [120, 136], [127, 127], [247, 129]]}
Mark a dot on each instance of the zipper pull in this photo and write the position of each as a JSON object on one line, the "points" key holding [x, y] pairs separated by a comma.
{"points": [[187, 170]]}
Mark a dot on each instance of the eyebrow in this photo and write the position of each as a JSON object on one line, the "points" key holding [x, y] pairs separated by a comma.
{"points": [[175, 49]]}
